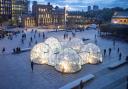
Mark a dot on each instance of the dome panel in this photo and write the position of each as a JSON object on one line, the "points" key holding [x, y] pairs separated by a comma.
{"points": [[74, 43], [40, 53], [54, 44], [91, 53], [68, 61], [55, 48]]}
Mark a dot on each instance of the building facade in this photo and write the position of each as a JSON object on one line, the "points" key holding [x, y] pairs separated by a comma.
{"points": [[120, 18], [75, 19], [19, 8], [5, 9], [43, 14], [48, 16], [29, 21], [59, 17]]}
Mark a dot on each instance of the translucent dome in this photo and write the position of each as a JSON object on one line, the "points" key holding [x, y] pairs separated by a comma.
{"points": [[91, 53], [55, 48], [40, 53], [68, 61], [74, 43], [54, 44]]}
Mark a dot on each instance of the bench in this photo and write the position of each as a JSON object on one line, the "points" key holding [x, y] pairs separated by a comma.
{"points": [[77, 82], [25, 50], [116, 64]]}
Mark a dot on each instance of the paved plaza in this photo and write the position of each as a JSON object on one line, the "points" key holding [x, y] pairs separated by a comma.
{"points": [[15, 69]]}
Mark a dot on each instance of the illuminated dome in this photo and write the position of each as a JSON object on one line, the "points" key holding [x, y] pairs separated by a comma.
{"points": [[54, 44], [74, 43], [40, 53], [67, 56], [68, 61], [54, 49], [91, 53]]}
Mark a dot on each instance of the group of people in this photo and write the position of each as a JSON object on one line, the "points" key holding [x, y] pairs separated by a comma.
{"points": [[66, 36], [17, 50], [110, 50]]}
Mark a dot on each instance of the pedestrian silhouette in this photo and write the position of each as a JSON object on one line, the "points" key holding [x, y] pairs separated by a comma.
{"points": [[32, 64], [127, 82], [120, 55], [81, 84], [110, 51], [3, 50], [14, 50], [43, 35], [31, 39], [104, 52], [126, 58]]}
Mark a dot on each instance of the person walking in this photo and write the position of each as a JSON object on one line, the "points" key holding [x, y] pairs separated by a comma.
{"points": [[118, 50], [3, 50], [126, 58], [43, 35], [120, 56], [104, 52], [64, 35], [32, 65], [81, 84], [127, 82], [14, 50], [110, 51], [31, 39]]}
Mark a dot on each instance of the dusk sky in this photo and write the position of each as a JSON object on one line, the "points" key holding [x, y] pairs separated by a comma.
{"points": [[82, 4]]}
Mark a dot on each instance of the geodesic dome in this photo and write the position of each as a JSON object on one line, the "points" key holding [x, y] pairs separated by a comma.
{"points": [[74, 43], [40, 53], [68, 61], [54, 44], [91, 53], [55, 48], [67, 56]]}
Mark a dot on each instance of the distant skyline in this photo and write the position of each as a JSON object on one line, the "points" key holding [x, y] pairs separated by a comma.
{"points": [[83, 4]]}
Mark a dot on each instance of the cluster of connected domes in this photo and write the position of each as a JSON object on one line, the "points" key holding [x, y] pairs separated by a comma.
{"points": [[68, 56]]}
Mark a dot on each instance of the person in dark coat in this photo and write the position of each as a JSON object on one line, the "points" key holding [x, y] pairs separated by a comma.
{"points": [[126, 58], [104, 52], [110, 51], [31, 39], [32, 64], [81, 84], [43, 35], [14, 51], [120, 55], [127, 82], [3, 50]]}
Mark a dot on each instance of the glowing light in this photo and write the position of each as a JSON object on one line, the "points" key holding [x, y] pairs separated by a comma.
{"points": [[74, 43], [91, 53], [67, 59], [40, 53]]}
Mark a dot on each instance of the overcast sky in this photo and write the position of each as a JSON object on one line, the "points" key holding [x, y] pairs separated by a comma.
{"points": [[82, 4]]}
